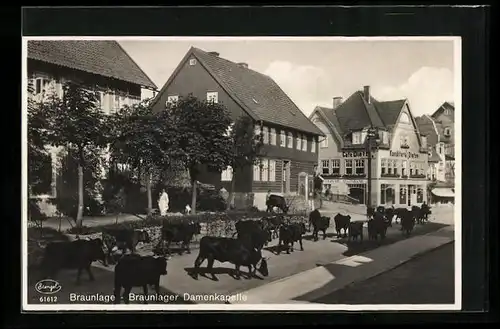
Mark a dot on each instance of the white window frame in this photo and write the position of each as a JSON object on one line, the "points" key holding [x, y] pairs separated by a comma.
{"points": [[213, 96], [273, 136], [395, 166], [324, 142], [304, 143], [447, 132], [383, 166], [192, 61], [385, 137], [299, 142], [256, 172], [265, 133], [227, 174], [283, 138], [171, 100], [313, 145], [356, 137], [264, 177], [356, 162], [346, 161], [289, 138], [335, 165], [327, 167], [272, 170]]}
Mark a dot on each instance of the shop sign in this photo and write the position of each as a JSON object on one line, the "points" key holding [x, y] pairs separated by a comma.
{"points": [[355, 154], [347, 181], [404, 154]]}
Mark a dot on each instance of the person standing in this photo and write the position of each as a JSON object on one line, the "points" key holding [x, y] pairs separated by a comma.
{"points": [[163, 202]]}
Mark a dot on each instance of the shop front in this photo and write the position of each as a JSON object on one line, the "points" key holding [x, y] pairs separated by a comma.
{"points": [[402, 193]]}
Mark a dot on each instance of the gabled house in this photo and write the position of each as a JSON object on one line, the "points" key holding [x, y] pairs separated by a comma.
{"points": [[399, 153], [102, 65], [440, 127], [290, 138]]}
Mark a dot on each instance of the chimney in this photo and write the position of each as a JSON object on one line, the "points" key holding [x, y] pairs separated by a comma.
{"points": [[337, 101], [243, 65], [214, 53], [366, 93]]}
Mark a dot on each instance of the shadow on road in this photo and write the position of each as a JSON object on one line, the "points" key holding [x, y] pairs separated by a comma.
{"points": [[203, 271], [393, 235], [99, 291]]}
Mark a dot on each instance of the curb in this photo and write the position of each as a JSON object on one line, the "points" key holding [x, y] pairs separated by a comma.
{"points": [[312, 284]]}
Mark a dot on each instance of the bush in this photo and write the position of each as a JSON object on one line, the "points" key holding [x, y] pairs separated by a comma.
{"points": [[68, 206]]}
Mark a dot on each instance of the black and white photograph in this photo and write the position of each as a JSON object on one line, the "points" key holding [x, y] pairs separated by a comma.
{"points": [[241, 173]]}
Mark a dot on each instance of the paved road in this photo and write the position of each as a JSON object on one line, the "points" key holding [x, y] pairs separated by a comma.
{"points": [[428, 279], [179, 282]]}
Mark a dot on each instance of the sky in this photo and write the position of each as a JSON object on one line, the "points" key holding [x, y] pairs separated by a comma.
{"points": [[312, 72]]}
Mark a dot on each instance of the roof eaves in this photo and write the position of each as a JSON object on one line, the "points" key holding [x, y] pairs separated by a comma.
{"points": [[153, 85], [332, 127]]}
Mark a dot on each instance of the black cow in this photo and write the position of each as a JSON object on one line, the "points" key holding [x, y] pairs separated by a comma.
{"points": [[356, 230], [407, 222], [77, 254], [419, 214], [289, 234], [319, 223], [369, 212], [126, 238], [399, 212], [377, 226], [342, 223], [177, 232], [276, 201], [235, 251], [426, 211], [138, 271], [272, 224], [389, 215], [253, 231]]}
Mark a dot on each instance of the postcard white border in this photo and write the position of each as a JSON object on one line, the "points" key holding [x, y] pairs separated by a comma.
{"points": [[255, 307]]}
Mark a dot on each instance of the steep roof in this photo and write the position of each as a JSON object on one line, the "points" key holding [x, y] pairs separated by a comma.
{"points": [[102, 57], [428, 127], [445, 105], [259, 95], [434, 156], [355, 113]]}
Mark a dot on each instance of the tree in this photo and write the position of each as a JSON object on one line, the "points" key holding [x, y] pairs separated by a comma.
{"points": [[145, 141], [76, 122], [203, 139], [246, 146]]}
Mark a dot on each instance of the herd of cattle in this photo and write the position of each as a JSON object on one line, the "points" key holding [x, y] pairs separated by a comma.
{"points": [[243, 249]]}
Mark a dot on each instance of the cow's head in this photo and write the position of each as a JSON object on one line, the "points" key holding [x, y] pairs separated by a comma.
{"points": [[262, 268], [97, 251], [161, 264]]}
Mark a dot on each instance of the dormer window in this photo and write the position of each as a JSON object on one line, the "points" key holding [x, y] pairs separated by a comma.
{"points": [[447, 132], [356, 137]]}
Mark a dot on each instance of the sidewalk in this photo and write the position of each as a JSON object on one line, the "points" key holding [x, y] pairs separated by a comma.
{"points": [[323, 280]]}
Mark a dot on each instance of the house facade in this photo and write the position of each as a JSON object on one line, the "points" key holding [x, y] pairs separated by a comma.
{"points": [[399, 157], [102, 65], [440, 129], [290, 139]]}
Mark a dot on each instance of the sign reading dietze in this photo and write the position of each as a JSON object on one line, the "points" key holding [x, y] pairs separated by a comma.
{"points": [[401, 154], [358, 154]]}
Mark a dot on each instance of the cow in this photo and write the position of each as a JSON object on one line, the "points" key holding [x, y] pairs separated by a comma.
{"points": [[389, 214], [236, 251], [342, 223], [77, 254], [272, 224], [369, 212], [138, 271], [289, 234], [417, 214], [177, 232], [355, 230], [377, 226], [278, 202], [426, 211], [125, 238], [319, 223], [407, 222], [254, 231], [398, 212]]}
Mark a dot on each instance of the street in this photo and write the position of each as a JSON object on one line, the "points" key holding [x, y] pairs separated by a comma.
{"points": [[428, 279]]}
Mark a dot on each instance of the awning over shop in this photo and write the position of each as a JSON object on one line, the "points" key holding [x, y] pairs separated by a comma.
{"points": [[443, 192]]}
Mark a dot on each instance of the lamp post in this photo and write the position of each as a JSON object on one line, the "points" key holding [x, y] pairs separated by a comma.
{"points": [[370, 137]]}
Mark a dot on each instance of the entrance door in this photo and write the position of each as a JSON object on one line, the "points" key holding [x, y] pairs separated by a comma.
{"points": [[286, 177], [358, 194]]}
